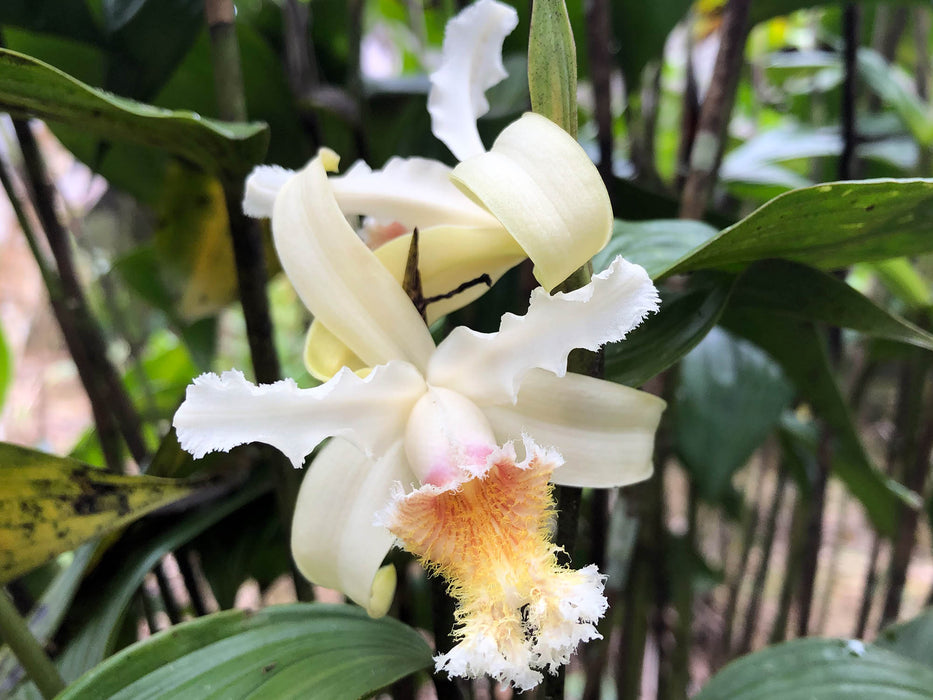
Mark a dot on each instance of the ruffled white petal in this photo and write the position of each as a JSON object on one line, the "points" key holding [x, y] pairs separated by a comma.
{"points": [[471, 63], [262, 187], [334, 541], [540, 184], [604, 431], [338, 277], [219, 413], [448, 257], [413, 191], [489, 367]]}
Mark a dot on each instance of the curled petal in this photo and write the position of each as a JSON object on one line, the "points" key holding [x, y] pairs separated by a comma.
{"points": [[471, 63], [413, 191], [449, 256], [219, 413], [334, 541], [337, 276], [604, 431], [262, 187], [540, 184], [489, 367]]}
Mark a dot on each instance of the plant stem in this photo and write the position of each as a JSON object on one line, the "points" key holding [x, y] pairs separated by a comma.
{"points": [[871, 586], [597, 42], [31, 655], [850, 24], [814, 532], [248, 251], [795, 546], [707, 150], [753, 609]]}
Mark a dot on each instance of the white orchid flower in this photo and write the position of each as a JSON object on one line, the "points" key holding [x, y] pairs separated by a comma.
{"points": [[424, 448], [534, 194]]}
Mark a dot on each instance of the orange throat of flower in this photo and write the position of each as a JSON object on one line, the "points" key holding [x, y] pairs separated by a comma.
{"points": [[488, 535]]}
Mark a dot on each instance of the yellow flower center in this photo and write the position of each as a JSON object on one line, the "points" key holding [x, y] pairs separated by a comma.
{"points": [[488, 536]]}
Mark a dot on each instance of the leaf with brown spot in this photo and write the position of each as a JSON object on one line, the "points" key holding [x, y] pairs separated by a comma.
{"points": [[50, 505]]}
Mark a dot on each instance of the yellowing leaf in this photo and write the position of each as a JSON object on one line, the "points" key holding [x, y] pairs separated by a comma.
{"points": [[50, 505]]}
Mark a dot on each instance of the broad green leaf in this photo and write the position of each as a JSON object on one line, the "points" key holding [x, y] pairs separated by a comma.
{"points": [[821, 669], [684, 319], [290, 651], [729, 398], [6, 367], [801, 352], [826, 226], [47, 615], [49, 505], [655, 244], [780, 286], [126, 565], [31, 88], [912, 638]]}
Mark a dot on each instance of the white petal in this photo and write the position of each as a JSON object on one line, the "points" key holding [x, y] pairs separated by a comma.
{"points": [[540, 184], [604, 431], [471, 63], [448, 256], [334, 541], [262, 187], [338, 277], [489, 367], [413, 191], [219, 413]]}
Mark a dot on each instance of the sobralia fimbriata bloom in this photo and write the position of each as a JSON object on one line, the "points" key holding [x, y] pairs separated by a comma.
{"points": [[433, 429], [451, 450], [534, 193]]}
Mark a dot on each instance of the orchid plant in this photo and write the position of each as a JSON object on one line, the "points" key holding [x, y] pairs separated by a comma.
{"points": [[449, 450]]}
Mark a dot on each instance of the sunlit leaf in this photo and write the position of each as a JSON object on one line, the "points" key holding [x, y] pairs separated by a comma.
{"points": [[31, 88], [903, 280], [288, 651], [821, 669], [49, 505], [826, 226]]}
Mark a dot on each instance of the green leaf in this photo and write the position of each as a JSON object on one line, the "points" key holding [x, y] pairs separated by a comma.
{"points": [[779, 286], [32, 88], [684, 319], [762, 10], [826, 226], [6, 367], [655, 244], [800, 350], [125, 567], [912, 639], [49, 505], [47, 615], [729, 398], [821, 669], [72, 20], [288, 651]]}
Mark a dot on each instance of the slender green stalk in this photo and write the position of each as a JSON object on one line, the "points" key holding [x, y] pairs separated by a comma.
{"points": [[814, 532], [32, 657]]}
